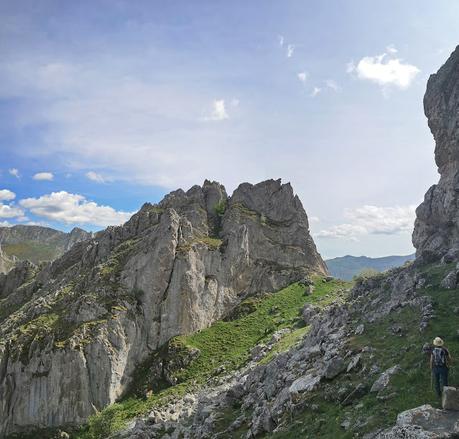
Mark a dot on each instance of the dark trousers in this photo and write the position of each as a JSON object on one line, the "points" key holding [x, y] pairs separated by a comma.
{"points": [[440, 376]]}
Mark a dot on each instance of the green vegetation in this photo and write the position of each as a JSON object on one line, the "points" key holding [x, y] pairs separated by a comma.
{"points": [[225, 343], [110, 270], [32, 251], [220, 207], [209, 242], [409, 388]]}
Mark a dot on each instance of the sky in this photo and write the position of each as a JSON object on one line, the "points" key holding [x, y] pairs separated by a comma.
{"points": [[107, 104]]}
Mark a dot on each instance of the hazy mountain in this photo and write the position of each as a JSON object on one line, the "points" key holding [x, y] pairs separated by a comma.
{"points": [[35, 244], [346, 267]]}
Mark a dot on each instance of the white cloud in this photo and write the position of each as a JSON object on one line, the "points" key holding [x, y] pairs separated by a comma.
{"points": [[302, 76], [290, 50], [315, 91], [391, 49], [14, 172], [330, 83], [385, 69], [5, 224], [10, 211], [44, 176], [281, 40], [7, 195], [74, 209], [372, 220], [314, 219], [235, 102], [218, 111], [94, 176]]}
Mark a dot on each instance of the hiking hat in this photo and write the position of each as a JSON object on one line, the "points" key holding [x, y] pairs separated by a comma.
{"points": [[438, 341]]}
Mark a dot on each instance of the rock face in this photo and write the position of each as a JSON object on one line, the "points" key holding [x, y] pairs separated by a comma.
{"points": [[72, 332], [436, 230], [35, 243]]}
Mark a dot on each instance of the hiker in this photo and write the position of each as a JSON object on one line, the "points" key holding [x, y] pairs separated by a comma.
{"points": [[440, 360]]}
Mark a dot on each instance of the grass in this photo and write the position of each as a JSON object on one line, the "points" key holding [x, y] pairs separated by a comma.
{"points": [[31, 250], [226, 343], [409, 388]]}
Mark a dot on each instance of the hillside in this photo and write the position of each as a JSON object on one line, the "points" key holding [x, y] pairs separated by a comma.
{"points": [[35, 244], [346, 267], [73, 332]]}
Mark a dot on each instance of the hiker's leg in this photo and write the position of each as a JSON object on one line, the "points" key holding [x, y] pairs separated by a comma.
{"points": [[443, 377], [436, 378]]}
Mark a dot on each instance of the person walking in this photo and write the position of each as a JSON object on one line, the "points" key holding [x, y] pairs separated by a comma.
{"points": [[440, 361]]}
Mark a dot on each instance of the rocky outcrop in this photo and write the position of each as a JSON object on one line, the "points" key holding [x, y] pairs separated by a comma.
{"points": [[436, 232], [77, 330], [35, 243]]}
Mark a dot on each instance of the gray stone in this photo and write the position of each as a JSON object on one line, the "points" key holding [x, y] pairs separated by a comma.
{"points": [[334, 367], [450, 398], [305, 383], [309, 311], [383, 381], [359, 330], [449, 282]]}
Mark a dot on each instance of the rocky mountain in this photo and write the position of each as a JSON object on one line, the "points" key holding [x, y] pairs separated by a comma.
{"points": [[73, 331], [346, 267], [436, 231], [321, 358], [35, 243], [208, 316]]}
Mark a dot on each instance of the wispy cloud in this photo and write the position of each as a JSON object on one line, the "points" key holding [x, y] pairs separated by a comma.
{"points": [[73, 209], [43, 176], [281, 40], [332, 84], [14, 172], [302, 76], [218, 111], [372, 220], [385, 69], [94, 176], [315, 91], [290, 50]]}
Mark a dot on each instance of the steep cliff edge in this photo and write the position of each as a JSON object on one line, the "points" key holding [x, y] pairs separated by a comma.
{"points": [[73, 331], [436, 231]]}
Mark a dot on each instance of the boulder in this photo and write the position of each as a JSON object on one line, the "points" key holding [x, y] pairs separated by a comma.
{"points": [[449, 282], [383, 381], [305, 383], [450, 398], [333, 367], [309, 311]]}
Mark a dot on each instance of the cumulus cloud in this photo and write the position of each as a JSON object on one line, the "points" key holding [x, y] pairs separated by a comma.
{"points": [[385, 69], [14, 172], [375, 220], [290, 50], [10, 211], [7, 195], [94, 176], [43, 176], [302, 76], [5, 224], [218, 111], [74, 209]]}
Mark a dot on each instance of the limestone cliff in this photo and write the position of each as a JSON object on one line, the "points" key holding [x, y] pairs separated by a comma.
{"points": [[437, 224], [73, 331]]}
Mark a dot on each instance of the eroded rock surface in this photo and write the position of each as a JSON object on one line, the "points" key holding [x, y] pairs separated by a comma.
{"points": [[436, 232], [73, 331]]}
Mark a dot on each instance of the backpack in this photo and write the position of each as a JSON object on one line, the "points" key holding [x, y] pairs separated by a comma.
{"points": [[439, 356]]}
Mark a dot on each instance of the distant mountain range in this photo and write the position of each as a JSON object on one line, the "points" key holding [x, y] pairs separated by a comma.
{"points": [[346, 267], [35, 243]]}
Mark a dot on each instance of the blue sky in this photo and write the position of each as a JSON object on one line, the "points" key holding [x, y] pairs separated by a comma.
{"points": [[114, 103]]}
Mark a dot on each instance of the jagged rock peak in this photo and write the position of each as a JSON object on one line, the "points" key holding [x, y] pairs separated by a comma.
{"points": [[436, 231]]}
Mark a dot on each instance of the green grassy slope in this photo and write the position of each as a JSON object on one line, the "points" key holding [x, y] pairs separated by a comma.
{"points": [[410, 388], [226, 343]]}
